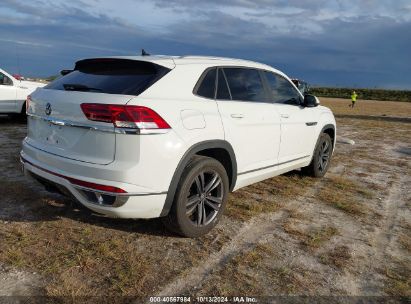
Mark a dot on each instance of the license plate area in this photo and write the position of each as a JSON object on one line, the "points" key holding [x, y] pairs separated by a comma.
{"points": [[72, 142], [53, 135]]}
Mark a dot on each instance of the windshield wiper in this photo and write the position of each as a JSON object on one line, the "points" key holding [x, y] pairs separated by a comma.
{"points": [[79, 87]]}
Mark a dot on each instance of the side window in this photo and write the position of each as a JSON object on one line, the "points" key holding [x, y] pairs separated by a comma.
{"points": [[207, 86], [245, 84], [282, 90], [5, 80], [222, 90]]}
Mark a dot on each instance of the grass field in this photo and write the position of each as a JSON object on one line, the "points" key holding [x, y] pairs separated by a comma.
{"points": [[367, 107], [366, 94], [346, 234]]}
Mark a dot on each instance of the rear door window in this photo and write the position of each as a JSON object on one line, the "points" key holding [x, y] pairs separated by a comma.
{"points": [[223, 92], [245, 84], [207, 86], [282, 91], [111, 76]]}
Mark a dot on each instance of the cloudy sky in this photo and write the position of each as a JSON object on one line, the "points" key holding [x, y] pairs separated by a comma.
{"points": [[362, 43]]}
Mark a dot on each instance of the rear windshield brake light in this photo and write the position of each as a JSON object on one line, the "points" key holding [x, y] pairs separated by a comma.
{"points": [[124, 116]]}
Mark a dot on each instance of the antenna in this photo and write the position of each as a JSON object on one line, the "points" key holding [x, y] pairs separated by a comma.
{"points": [[144, 53]]}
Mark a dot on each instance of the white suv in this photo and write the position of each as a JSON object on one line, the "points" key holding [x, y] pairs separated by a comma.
{"points": [[156, 136], [13, 93]]}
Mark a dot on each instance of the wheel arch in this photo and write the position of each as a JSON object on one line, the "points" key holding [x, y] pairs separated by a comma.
{"points": [[328, 129], [220, 150]]}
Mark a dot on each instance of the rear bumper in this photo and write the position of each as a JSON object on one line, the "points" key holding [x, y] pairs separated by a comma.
{"points": [[134, 203]]}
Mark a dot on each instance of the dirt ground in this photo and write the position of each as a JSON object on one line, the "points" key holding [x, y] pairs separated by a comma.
{"points": [[348, 234]]}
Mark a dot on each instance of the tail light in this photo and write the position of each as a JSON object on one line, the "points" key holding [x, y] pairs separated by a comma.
{"points": [[95, 186], [124, 116], [28, 100]]}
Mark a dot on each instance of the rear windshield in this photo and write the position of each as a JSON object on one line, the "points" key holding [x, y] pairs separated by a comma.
{"points": [[111, 76]]}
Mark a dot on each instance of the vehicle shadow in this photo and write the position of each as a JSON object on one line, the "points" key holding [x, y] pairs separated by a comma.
{"points": [[25, 200], [142, 226], [12, 120], [28, 202]]}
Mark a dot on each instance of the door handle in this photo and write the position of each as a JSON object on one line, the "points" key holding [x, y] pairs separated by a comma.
{"points": [[237, 115], [285, 115]]}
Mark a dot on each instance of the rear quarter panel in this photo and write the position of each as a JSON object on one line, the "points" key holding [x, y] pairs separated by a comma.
{"points": [[172, 97], [192, 119]]}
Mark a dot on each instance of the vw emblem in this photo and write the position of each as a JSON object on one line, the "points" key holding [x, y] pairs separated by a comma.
{"points": [[48, 109]]}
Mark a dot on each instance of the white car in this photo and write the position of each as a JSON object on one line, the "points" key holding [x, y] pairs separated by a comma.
{"points": [[157, 136], [13, 93]]}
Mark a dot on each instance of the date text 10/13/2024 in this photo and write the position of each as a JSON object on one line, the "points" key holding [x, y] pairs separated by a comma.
{"points": [[187, 299]]}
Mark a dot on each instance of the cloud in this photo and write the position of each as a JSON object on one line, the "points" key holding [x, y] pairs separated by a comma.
{"points": [[349, 42], [26, 43]]}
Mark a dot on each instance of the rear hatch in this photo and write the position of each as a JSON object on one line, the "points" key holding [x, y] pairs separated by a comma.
{"points": [[56, 122]]}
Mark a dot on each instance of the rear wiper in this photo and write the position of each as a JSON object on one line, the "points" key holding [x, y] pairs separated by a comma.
{"points": [[79, 87]]}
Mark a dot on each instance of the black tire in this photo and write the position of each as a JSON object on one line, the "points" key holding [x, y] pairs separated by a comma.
{"points": [[20, 117], [202, 190], [321, 158], [23, 115]]}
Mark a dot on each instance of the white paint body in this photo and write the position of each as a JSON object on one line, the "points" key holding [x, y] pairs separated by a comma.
{"points": [[268, 139], [13, 96]]}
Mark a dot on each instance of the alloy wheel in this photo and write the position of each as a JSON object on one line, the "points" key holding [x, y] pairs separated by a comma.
{"points": [[204, 198], [324, 155]]}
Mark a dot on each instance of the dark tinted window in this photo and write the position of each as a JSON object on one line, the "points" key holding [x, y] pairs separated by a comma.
{"points": [[5, 80], [245, 84], [222, 90], [207, 86], [112, 76], [282, 90]]}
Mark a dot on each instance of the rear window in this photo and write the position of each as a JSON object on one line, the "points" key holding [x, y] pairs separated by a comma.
{"points": [[110, 76]]}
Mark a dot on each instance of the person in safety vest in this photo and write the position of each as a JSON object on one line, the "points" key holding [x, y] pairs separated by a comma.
{"points": [[353, 99]]}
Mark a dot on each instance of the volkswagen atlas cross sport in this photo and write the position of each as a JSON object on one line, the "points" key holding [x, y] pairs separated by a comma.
{"points": [[170, 137]]}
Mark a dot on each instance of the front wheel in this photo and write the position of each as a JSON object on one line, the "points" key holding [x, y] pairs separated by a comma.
{"points": [[321, 158], [200, 198]]}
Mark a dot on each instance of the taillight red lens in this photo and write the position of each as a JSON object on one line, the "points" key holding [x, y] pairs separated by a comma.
{"points": [[81, 182], [125, 116], [28, 100], [95, 186]]}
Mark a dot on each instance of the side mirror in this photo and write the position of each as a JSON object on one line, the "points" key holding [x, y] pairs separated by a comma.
{"points": [[311, 101], [65, 72]]}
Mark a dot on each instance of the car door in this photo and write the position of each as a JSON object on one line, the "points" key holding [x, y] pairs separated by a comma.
{"points": [[297, 122], [7, 94], [251, 125]]}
